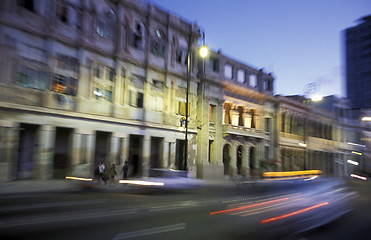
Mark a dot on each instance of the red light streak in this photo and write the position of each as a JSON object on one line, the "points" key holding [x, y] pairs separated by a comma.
{"points": [[248, 206], [293, 213]]}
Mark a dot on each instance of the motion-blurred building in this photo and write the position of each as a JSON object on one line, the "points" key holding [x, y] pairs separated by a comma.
{"points": [[357, 42], [89, 81], [84, 82], [358, 65]]}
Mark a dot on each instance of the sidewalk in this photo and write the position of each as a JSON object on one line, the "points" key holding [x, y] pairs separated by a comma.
{"points": [[24, 187]]}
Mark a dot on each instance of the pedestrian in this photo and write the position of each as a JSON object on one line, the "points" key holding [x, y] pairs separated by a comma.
{"points": [[102, 168], [125, 170], [112, 173]]}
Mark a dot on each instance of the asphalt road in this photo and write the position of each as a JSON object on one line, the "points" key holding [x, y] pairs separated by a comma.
{"points": [[140, 215]]}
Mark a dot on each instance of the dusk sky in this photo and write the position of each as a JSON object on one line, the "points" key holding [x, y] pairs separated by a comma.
{"points": [[300, 41]]}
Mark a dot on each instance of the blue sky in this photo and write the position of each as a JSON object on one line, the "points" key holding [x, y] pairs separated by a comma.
{"points": [[300, 41]]}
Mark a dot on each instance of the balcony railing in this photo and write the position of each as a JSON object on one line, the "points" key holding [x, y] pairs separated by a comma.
{"points": [[244, 131]]}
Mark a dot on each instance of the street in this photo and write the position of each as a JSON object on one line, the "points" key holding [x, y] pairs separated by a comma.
{"points": [[142, 214]]}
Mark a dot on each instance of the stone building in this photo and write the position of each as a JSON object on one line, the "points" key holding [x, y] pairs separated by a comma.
{"points": [[84, 82], [317, 135], [236, 117]]}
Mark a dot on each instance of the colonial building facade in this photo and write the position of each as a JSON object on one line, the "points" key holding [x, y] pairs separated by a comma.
{"points": [[84, 82], [89, 81]]}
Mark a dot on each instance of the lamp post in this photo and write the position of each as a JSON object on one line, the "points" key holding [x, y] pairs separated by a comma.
{"points": [[203, 52]]}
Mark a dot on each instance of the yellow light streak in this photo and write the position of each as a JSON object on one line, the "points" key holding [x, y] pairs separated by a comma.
{"points": [[80, 179], [358, 153], [292, 173]]}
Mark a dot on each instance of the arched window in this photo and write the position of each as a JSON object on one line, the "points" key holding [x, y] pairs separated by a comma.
{"points": [[106, 24], [158, 45]]}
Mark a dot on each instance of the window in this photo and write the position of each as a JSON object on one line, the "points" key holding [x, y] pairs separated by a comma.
{"points": [[110, 74], [67, 63], [241, 76], [214, 64], [268, 124], [64, 85], [63, 14], [31, 78], [27, 4], [136, 99], [97, 72], [101, 93], [212, 109], [157, 102], [268, 85], [106, 25], [253, 80], [181, 56], [138, 36], [182, 108], [228, 71], [158, 46]]}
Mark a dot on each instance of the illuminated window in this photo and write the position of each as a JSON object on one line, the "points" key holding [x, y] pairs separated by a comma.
{"points": [[64, 85], [182, 108], [101, 93]]}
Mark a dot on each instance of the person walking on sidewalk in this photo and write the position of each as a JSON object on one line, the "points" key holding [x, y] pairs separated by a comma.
{"points": [[102, 168], [125, 170]]}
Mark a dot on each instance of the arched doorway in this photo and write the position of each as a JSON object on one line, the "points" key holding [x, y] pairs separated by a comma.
{"points": [[239, 160], [226, 158], [252, 163]]}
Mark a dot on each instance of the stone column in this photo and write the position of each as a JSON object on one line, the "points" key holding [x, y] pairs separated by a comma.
{"points": [[172, 153], [146, 152], [165, 160], [233, 162], [45, 151], [90, 148], [76, 153], [8, 149]]}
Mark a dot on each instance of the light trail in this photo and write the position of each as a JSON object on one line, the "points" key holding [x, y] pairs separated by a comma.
{"points": [[294, 213], [248, 206]]}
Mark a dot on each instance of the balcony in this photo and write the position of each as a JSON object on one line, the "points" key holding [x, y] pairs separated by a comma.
{"points": [[244, 131]]}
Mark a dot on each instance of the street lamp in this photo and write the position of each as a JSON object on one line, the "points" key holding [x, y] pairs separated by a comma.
{"points": [[203, 52]]}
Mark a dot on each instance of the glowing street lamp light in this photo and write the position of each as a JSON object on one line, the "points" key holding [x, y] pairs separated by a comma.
{"points": [[204, 51]]}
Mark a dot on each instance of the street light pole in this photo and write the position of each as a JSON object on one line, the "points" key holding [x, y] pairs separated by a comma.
{"points": [[203, 52], [189, 61]]}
